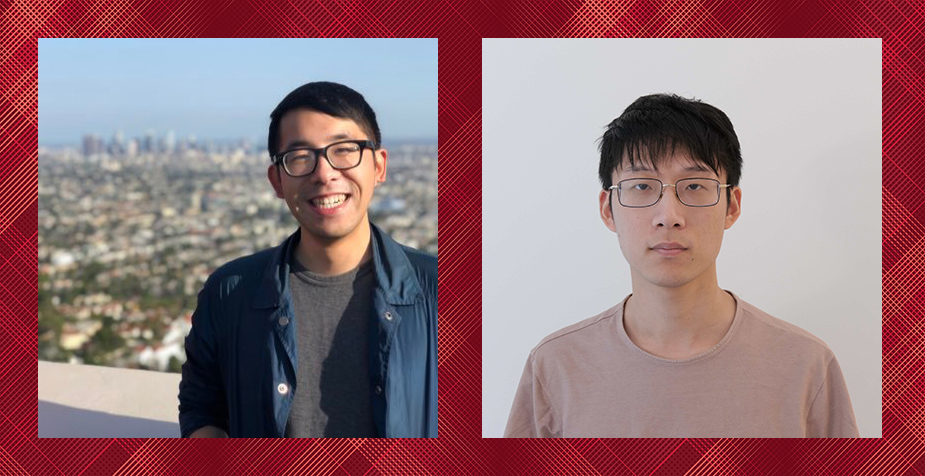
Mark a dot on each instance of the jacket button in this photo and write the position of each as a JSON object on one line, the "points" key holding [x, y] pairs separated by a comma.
{"points": [[283, 321], [282, 389], [388, 316], [378, 390]]}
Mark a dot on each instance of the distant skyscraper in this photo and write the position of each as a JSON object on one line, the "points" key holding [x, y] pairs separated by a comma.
{"points": [[131, 149], [169, 142], [92, 145], [147, 144], [116, 145]]}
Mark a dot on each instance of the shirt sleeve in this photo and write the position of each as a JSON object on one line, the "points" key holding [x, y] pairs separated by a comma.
{"points": [[532, 415], [831, 414], [202, 397]]}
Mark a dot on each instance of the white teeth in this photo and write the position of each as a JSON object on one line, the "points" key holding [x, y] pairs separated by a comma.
{"points": [[329, 201]]}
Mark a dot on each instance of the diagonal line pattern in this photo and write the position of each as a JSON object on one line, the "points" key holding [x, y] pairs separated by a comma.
{"points": [[460, 26]]}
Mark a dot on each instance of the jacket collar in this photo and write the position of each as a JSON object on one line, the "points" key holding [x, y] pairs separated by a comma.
{"points": [[394, 273]]}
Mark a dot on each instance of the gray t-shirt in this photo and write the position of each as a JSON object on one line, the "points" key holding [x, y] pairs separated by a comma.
{"points": [[332, 325]]}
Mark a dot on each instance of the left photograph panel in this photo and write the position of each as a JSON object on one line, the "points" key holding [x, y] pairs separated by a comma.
{"points": [[237, 238]]}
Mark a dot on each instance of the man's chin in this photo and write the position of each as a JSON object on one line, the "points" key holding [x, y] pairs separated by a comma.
{"points": [[330, 233], [667, 280]]}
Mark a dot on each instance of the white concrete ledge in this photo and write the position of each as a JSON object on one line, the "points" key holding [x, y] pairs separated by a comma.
{"points": [[87, 401]]}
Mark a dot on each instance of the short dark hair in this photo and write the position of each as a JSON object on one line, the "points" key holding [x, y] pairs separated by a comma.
{"points": [[654, 126], [329, 98]]}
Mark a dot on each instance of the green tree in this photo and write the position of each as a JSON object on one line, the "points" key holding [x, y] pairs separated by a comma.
{"points": [[174, 365], [105, 341]]}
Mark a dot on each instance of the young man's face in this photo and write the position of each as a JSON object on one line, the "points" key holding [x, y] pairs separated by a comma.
{"points": [[670, 244], [313, 198]]}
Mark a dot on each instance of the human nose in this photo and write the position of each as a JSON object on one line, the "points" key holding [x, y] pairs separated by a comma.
{"points": [[669, 211], [324, 171]]}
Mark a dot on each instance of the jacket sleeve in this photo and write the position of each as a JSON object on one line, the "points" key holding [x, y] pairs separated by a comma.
{"points": [[532, 414], [831, 414], [202, 397]]}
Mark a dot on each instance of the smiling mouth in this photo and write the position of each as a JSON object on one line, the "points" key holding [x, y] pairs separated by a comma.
{"points": [[329, 201]]}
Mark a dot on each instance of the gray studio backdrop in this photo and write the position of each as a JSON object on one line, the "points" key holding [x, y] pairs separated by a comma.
{"points": [[806, 248]]}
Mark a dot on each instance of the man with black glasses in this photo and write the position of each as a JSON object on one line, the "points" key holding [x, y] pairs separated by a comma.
{"points": [[334, 332], [679, 357]]}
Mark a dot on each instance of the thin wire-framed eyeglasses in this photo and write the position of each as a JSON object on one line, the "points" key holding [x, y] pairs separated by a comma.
{"points": [[341, 155], [646, 192]]}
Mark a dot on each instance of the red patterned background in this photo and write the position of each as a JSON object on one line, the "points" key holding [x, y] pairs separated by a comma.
{"points": [[460, 27]]}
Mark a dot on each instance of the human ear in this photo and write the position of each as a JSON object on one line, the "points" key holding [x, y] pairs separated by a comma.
{"points": [[735, 207], [273, 175], [381, 159], [606, 210]]}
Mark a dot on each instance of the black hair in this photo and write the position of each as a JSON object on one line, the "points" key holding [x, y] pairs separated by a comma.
{"points": [[653, 127], [329, 98]]}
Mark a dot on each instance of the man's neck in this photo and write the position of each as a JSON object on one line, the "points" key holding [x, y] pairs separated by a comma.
{"points": [[334, 257], [678, 322]]}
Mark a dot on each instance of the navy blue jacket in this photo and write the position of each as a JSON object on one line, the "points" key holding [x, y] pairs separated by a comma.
{"points": [[240, 370]]}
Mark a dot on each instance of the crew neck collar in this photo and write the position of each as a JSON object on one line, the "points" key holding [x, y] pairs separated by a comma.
{"points": [[716, 349]]}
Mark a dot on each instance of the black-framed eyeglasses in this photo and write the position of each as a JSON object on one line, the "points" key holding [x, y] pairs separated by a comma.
{"points": [[341, 155], [645, 192]]}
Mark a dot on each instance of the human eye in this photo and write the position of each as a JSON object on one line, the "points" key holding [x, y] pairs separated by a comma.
{"points": [[642, 187], [693, 187], [298, 158], [298, 154], [341, 149]]}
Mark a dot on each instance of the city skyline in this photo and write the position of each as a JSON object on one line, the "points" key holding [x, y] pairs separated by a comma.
{"points": [[152, 141], [221, 90], [126, 240]]}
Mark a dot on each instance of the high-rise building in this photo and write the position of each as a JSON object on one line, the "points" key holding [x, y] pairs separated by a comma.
{"points": [[147, 143], [169, 142], [92, 145], [131, 149], [116, 145]]}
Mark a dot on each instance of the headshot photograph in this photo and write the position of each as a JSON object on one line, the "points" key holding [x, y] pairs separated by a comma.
{"points": [[237, 238], [681, 238]]}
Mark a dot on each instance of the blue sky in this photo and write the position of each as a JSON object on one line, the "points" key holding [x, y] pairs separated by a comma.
{"points": [[224, 88]]}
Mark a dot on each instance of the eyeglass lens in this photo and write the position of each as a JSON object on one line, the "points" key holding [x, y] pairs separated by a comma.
{"points": [[646, 192], [341, 156]]}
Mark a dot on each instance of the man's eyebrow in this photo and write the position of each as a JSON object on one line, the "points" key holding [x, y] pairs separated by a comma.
{"points": [[637, 168], [697, 168], [303, 143]]}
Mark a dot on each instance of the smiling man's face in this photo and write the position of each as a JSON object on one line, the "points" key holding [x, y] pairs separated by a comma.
{"points": [[670, 244], [329, 204]]}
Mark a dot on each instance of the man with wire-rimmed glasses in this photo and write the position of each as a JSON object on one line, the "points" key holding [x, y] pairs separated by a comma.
{"points": [[679, 357], [334, 332]]}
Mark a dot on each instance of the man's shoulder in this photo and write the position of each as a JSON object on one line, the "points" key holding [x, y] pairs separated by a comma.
{"points": [[249, 266], [784, 335], [425, 264], [576, 335]]}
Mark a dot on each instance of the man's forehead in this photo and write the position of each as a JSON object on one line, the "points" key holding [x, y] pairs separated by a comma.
{"points": [[304, 127], [306, 141], [299, 117], [678, 163]]}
